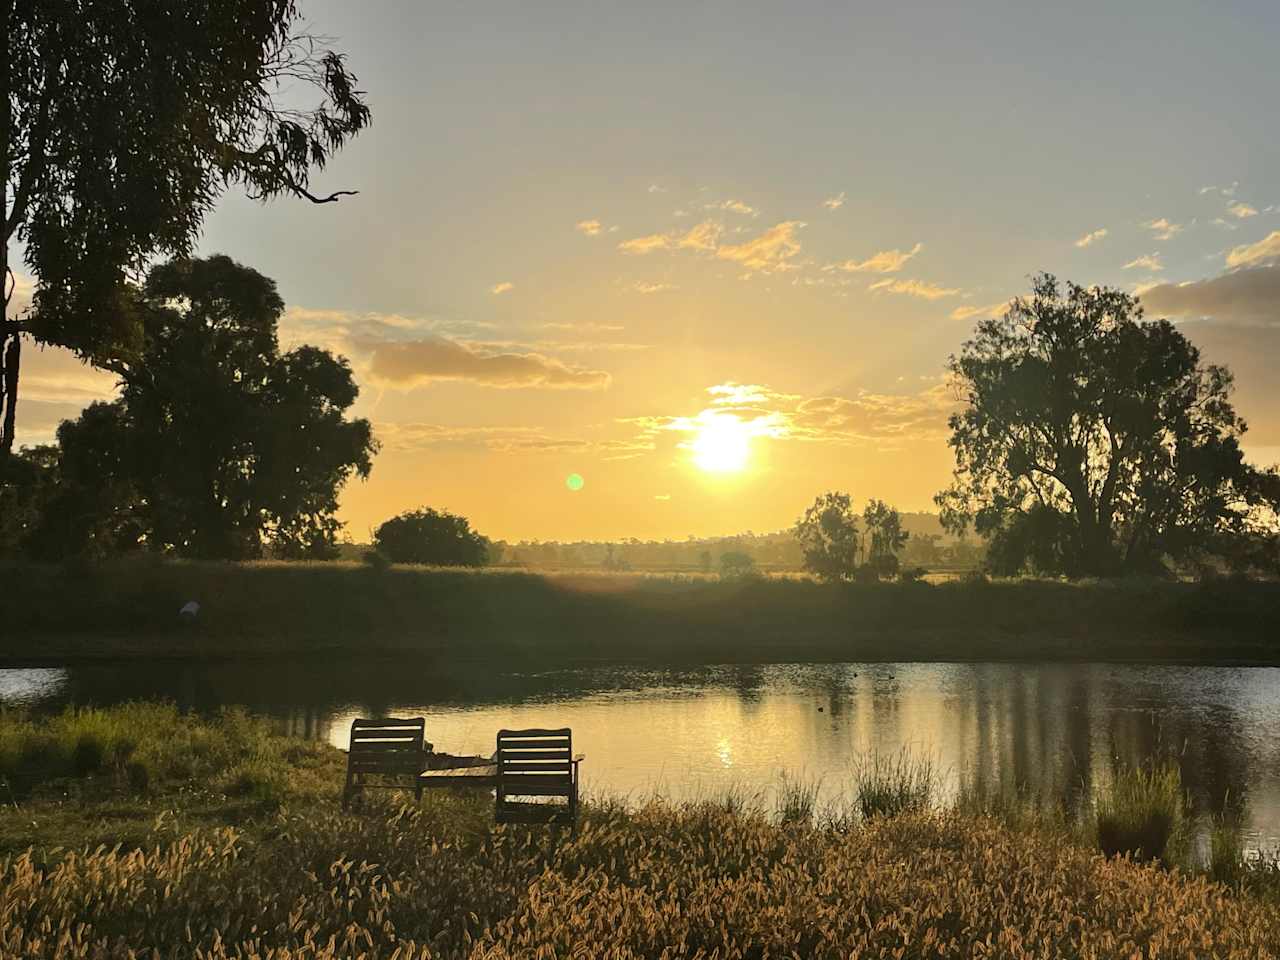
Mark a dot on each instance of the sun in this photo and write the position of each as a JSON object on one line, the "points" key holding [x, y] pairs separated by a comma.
{"points": [[722, 444]]}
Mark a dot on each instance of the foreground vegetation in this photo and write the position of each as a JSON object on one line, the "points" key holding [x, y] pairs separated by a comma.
{"points": [[127, 609], [233, 845]]}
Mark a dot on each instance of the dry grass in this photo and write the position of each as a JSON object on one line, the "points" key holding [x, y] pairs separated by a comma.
{"points": [[660, 881], [724, 877]]}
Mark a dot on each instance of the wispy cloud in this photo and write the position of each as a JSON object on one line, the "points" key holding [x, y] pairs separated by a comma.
{"points": [[734, 206], [866, 417], [1091, 238], [1266, 250], [1150, 261], [655, 188], [646, 244], [1163, 228], [589, 227], [769, 252], [584, 326], [1227, 191], [834, 203], [506, 286], [914, 288], [1242, 210], [886, 261], [990, 310], [651, 286]]}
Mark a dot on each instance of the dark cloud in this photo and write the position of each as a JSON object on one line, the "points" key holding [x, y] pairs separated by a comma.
{"points": [[410, 363], [1251, 295]]}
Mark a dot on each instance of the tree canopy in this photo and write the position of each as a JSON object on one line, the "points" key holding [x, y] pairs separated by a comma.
{"points": [[1092, 442], [220, 446], [125, 120], [435, 537]]}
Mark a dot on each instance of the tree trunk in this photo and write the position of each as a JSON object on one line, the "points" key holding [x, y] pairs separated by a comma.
{"points": [[12, 356]]}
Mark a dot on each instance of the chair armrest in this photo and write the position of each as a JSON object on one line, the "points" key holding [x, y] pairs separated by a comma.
{"points": [[579, 758]]}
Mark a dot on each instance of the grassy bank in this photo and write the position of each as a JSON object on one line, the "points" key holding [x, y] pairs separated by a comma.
{"points": [[131, 609], [242, 852]]}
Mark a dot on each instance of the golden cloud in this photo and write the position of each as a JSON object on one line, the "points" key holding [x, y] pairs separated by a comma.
{"points": [[503, 287], [1090, 238], [915, 288], [647, 244], [886, 261], [1242, 210], [767, 253], [1163, 228], [590, 227], [1265, 250], [990, 310], [1150, 261]]}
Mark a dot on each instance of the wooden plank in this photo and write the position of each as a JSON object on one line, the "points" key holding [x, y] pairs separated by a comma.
{"points": [[517, 756], [551, 766], [562, 732], [560, 743], [460, 773]]}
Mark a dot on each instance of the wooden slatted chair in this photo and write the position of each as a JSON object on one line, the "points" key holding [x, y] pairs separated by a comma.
{"points": [[389, 752], [536, 766]]}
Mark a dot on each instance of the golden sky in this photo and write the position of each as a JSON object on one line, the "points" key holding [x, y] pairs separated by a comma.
{"points": [[713, 261]]}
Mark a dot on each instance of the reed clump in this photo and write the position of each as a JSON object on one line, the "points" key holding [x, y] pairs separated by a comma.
{"points": [[889, 784], [1142, 812]]}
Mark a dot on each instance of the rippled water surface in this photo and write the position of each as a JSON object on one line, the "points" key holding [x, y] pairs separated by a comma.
{"points": [[1057, 729]]}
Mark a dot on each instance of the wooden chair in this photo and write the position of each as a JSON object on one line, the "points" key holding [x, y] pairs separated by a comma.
{"points": [[536, 764], [391, 751]]}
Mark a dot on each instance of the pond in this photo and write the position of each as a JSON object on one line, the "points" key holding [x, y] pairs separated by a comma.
{"points": [[1057, 730]]}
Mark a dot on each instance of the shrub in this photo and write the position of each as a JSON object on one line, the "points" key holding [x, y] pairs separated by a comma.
{"points": [[90, 754]]}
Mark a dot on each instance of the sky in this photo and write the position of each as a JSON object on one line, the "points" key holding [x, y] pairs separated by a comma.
{"points": [[661, 270]]}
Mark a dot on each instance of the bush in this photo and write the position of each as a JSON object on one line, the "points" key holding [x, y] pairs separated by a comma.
{"points": [[435, 537]]}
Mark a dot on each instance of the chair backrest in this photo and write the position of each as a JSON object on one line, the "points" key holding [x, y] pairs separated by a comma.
{"points": [[388, 745], [534, 762]]}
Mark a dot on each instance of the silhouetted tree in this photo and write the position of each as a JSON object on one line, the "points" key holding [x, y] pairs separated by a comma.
{"points": [[828, 535], [431, 536], [124, 120], [1093, 443], [220, 446], [884, 537], [736, 565]]}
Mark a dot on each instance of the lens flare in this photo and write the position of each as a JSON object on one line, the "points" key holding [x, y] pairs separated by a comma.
{"points": [[574, 482]]}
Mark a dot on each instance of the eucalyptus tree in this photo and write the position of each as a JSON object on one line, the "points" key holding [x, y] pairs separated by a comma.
{"points": [[1093, 442], [124, 121], [221, 446], [828, 536]]}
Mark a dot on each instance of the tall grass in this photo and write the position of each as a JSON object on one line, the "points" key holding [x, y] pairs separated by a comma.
{"points": [[1142, 813], [889, 784]]}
